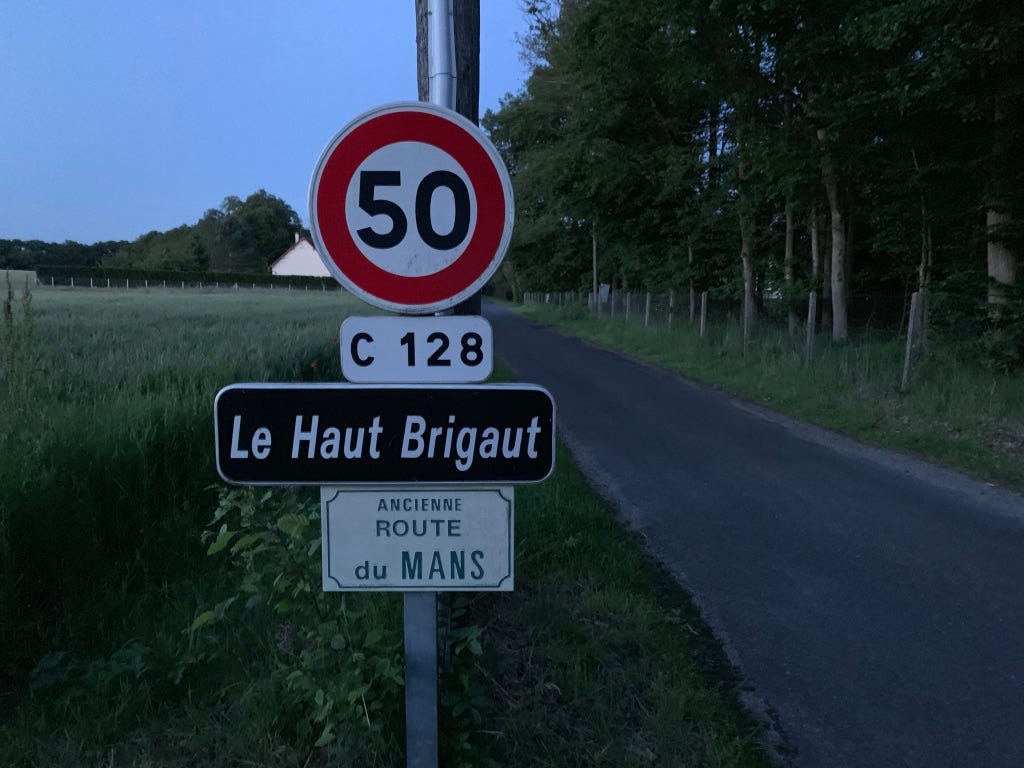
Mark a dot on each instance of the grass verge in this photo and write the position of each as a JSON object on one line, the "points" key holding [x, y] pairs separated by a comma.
{"points": [[955, 412], [599, 657]]}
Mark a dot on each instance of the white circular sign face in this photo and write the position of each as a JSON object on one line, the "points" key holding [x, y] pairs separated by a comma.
{"points": [[442, 214], [411, 208]]}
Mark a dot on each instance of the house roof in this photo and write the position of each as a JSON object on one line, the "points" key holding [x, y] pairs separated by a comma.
{"points": [[291, 248]]}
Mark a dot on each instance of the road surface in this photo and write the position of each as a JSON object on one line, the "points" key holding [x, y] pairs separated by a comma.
{"points": [[875, 603]]}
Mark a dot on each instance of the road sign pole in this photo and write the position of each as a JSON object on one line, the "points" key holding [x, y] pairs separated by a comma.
{"points": [[420, 679], [420, 614], [377, 238]]}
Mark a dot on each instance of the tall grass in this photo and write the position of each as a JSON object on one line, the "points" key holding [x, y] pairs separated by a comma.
{"points": [[142, 655], [105, 464], [956, 412]]}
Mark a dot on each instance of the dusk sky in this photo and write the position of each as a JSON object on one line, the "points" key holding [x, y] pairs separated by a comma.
{"points": [[120, 118]]}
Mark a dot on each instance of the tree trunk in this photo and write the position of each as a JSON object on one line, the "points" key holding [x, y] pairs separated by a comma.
{"points": [[815, 249], [815, 253], [689, 256], [849, 252], [788, 267], [826, 287], [1002, 259], [838, 250], [713, 147], [746, 255], [513, 280], [924, 268]]}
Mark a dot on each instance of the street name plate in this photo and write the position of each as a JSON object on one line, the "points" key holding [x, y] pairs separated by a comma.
{"points": [[353, 434], [417, 540]]}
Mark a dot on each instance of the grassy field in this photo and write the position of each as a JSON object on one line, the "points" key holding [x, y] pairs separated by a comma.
{"points": [[955, 413], [123, 642]]}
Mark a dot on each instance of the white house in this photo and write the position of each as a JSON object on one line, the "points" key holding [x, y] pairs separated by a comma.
{"points": [[300, 259]]}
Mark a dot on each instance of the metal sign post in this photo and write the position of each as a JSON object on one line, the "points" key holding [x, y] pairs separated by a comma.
{"points": [[420, 620], [420, 624]]}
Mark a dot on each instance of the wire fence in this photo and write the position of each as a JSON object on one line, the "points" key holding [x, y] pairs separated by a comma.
{"points": [[125, 284], [901, 318], [885, 312]]}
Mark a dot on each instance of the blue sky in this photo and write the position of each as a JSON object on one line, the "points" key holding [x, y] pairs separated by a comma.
{"points": [[117, 118]]}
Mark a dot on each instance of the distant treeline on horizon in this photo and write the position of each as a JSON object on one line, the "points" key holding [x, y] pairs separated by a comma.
{"points": [[241, 236]]}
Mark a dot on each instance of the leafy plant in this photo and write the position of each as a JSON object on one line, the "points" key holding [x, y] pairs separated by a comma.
{"points": [[466, 705], [339, 657]]}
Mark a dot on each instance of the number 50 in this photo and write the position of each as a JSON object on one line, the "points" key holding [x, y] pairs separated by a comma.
{"points": [[370, 180]]}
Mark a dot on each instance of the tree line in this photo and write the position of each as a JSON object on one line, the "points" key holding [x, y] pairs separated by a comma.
{"points": [[241, 236], [766, 149]]}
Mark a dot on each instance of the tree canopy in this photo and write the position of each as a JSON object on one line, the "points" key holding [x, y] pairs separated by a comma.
{"points": [[889, 131], [239, 236]]}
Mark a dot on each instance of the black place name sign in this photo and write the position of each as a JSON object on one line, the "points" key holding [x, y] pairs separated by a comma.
{"points": [[327, 434]]}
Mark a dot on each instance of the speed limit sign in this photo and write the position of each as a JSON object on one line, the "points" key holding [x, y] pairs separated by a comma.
{"points": [[411, 208]]}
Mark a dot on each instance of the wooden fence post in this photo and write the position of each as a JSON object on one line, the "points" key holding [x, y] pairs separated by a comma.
{"points": [[747, 310], [703, 313], [913, 329], [812, 316], [671, 306], [647, 311]]}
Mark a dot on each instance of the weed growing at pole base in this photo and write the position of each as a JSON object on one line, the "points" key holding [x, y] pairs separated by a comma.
{"points": [[956, 412], [340, 655]]}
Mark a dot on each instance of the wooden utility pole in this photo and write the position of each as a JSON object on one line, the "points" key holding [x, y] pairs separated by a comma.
{"points": [[466, 20]]}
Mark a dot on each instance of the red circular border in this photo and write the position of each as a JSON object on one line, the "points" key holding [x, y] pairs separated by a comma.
{"points": [[332, 186]]}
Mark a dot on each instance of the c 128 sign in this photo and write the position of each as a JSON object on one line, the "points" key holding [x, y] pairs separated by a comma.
{"points": [[429, 350]]}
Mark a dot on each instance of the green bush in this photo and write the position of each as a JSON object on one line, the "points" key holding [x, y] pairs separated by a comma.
{"points": [[1002, 341], [340, 656]]}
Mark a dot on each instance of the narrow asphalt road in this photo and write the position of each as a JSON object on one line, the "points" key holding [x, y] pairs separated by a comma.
{"points": [[874, 602]]}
